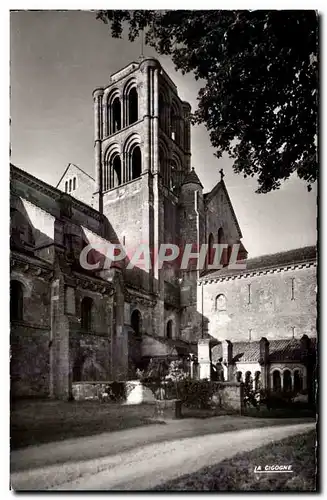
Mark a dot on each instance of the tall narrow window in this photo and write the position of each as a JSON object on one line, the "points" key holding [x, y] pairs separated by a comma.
{"points": [[132, 106], [169, 329], [136, 322], [66, 186], [86, 314], [223, 250], [292, 289], [116, 115], [136, 161], [70, 185], [16, 300], [249, 294], [210, 249], [74, 183]]}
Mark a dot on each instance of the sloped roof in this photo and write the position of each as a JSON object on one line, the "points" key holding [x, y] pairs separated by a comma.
{"points": [[279, 350], [76, 166], [192, 178], [280, 259]]}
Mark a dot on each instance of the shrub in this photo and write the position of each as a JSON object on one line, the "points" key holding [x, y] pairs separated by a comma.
{"points": [[276, 399], [116, 391], [195, 393]]}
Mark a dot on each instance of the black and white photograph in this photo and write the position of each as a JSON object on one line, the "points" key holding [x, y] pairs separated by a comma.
{"points": [[163, 247]]}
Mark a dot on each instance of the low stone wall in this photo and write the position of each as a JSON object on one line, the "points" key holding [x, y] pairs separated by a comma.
{"points": [[89, 390], [133, 392], [229, 396]]}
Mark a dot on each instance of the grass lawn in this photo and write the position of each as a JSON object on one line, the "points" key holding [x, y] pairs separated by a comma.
{"points": [[36, 422], [237, 474]]}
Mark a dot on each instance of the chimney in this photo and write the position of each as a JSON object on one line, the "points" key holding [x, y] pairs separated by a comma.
{"points": [[227, 348], [305, 348], [264, 350]]}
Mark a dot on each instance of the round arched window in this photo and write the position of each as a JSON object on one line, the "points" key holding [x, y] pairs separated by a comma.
{"points": [[221, 302]]}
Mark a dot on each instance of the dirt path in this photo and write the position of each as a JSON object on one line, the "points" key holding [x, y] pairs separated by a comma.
{"points": [[142, 466]]}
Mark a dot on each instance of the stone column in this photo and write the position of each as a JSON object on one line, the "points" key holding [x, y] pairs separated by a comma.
{"points": [[187, 135], [227, 359], [146, 129], [305, 381], [264, 362], [60, 380], [105, 116], [119, 339], [204, 358], [97, 97], [155, 120]]}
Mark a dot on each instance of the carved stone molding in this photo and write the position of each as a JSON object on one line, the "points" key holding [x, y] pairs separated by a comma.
{"points": [[259, 272], [19, 264]]}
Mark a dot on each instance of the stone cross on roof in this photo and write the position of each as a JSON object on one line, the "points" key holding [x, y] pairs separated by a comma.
{"points": [[222, 175]]}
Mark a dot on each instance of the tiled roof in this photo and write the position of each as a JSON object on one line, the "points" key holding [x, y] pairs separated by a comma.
{"points": [[192, 178], [281, 259], [249, 352], [287, 350]]}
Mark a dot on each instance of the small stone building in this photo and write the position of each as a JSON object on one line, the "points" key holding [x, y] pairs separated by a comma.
{"points": [[71, 324]]}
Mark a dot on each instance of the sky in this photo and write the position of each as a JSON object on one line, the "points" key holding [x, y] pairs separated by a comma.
{"points": [[58, 58]]}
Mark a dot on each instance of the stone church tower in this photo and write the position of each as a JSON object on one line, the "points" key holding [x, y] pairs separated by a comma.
{"points": [[142, 157]]}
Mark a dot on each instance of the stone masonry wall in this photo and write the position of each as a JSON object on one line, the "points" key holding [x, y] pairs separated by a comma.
{"points": [[271, 312], [29, 365], [84, 185]]}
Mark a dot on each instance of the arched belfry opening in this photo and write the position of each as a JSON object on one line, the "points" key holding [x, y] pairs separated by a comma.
{"points": [[116, 172], [136, 163], [132, 106], [116, 115]]}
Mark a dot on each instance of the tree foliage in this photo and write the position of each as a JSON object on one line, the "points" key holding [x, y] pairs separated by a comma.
{"points": [[259, 101]]}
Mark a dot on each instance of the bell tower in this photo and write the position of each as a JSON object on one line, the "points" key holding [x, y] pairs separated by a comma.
{"points": [[142, 154]]}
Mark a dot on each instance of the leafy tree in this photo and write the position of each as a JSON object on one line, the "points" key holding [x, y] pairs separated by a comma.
{"points": [[259, 101]]}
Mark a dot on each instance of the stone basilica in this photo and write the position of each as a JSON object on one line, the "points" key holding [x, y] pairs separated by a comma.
{"points": [[70, 324]]}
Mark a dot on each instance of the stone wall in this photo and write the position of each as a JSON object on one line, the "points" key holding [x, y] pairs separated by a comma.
{"points": [[84, 184], [229, 396], [219, 214], [270, 312], [29, 360], [89, 357]]}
